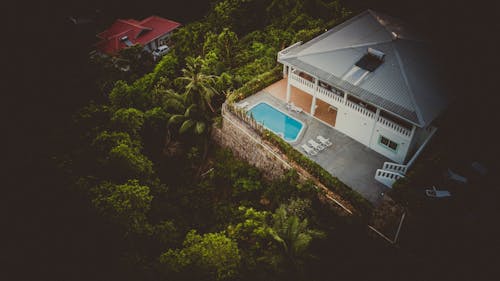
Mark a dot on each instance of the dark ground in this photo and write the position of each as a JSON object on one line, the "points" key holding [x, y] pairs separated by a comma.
{"points": [[50, 234]]}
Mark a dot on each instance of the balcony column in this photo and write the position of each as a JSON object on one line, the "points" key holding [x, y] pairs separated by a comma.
{"points": [[315, 92], [288, 89], [377, 114], [284, 71], [345, 98]]}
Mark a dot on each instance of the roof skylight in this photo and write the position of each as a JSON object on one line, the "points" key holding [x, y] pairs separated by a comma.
{"points": [[371, 60]]}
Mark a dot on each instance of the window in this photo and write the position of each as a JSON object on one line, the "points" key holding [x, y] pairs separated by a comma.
{"points": [[388, 143]]}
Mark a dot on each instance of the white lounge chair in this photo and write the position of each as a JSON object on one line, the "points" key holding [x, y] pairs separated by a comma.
{"points": [[293, 107], [456, 177], [437, 193], [309, 150], [242, 105], [316, 145], [296, 108], [324, 141], [480, 168]]}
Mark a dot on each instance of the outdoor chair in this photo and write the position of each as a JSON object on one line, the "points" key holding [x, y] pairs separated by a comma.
{"points": [[324, 141], [437, 193], [309, 150], [316, 145], [456, 177]]}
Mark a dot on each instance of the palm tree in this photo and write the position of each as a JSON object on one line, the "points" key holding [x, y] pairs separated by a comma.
{"points": [[199, 89], [293, 235], [188, 114]]}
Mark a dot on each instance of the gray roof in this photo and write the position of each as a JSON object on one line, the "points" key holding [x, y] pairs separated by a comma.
{"points": [[405, 84]]}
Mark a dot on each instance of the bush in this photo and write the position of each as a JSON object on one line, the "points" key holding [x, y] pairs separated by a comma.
{"points": [[258, 83]]}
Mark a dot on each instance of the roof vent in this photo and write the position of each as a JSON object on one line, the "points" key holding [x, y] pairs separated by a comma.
{"points": [[371, 60], [124, 38]]}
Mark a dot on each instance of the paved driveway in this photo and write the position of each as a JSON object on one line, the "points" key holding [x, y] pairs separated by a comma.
{"points": [[347, 159]]}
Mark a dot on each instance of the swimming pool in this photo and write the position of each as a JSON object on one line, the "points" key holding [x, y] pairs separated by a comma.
{"points": [[273, 119]]}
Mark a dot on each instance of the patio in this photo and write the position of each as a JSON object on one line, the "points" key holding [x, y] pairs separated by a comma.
{"points": [[346, 159]]}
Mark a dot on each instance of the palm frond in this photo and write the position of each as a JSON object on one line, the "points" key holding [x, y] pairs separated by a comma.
{"points": [[199, 128], [186, 126]]}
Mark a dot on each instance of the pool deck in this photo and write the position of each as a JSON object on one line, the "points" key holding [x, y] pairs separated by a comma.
{"points": [[347, 159]]}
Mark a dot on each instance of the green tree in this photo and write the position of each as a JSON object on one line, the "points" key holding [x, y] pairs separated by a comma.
{"points": [[190, 118], [127, 204], [212, 256], [124, 161], [128, 119], [199, 88], [293, 235]]}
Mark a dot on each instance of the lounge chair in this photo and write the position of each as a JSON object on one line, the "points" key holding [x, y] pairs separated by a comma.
{"points": [[293, 107], [437, 193], [324, 141], [480, 168], [296, 108], [316, 145], [456, 177], [309, 150], [242, 105]]}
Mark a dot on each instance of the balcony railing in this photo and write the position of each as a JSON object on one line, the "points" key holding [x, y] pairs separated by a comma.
{"points": [[360, 109], [330, 95], [395, 127], [302, 81]]}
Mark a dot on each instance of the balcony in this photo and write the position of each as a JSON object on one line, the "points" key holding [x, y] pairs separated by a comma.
{"points": [[339, 102]]}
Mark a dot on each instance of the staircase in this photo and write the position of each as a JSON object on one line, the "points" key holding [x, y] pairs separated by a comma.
{"points": [[390, 173]]}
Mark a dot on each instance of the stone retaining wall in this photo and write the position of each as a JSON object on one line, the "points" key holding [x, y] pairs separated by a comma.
{"points": [[248, 145]]}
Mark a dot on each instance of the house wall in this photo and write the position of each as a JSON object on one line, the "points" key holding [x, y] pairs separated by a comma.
{"points": [[355, 125], [404, 143]]}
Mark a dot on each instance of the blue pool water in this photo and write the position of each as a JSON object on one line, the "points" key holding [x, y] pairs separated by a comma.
{"points": [[280, 123]]}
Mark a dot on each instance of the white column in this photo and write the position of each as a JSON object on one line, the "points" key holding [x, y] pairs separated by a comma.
{"points": [[345, 98], [284, 71], [288, 89], [377, 114], [315, 92], [313, 105]]}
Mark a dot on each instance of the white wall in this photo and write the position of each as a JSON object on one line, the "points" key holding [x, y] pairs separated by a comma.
{"points": [[404, 143], [355, 125]]}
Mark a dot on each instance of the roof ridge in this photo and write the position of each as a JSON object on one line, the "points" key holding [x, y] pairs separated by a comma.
{"points": [[328, 32], [335, 50], [410, 90], [134, 24]]}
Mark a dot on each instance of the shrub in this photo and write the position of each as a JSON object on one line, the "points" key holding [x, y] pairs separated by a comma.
{"points": [[258, 83]]}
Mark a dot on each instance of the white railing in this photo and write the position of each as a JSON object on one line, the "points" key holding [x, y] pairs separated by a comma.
{"points": [[330, 95], [387, 178], [360, 109], [394, 167], [394, 126], [302, 81]]}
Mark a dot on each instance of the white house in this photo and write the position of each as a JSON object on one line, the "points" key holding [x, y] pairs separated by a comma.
{"points": [[378, 77]]}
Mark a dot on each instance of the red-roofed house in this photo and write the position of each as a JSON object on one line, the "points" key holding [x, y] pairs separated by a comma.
{"points": [[151, 33]]}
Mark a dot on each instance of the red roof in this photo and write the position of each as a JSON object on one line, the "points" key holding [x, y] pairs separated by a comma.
{"points": [[138, 32]]}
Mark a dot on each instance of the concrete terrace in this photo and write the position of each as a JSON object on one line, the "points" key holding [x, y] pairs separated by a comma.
{"points": [[347, 159]]}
